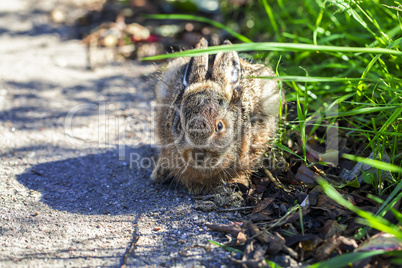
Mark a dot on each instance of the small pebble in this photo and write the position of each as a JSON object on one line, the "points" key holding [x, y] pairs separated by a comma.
{"points": [[283, 208]]}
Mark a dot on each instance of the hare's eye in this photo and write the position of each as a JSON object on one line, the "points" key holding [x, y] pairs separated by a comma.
{"points": [[219, 126]]}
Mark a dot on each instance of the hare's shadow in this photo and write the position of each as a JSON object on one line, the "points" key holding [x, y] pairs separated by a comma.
{"points": [[96, 183]]}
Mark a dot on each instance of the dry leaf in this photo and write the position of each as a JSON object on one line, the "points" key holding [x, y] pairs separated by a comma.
{"points": [[262, 205]]}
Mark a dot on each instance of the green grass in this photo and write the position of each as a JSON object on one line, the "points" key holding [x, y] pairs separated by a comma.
{"points": [[346, 259], [340, 59], [371, 220], [286, 47]]}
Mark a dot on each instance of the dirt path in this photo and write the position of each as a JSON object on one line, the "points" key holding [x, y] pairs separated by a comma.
{"points": [[68, 193]]}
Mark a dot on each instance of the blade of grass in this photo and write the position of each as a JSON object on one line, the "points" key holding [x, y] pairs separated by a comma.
{"points": [[374, 163], [301, 219], [390, 201], [389, 206], [323, 79], [345, 260], [317, 23], [396, 134], [302, 126], [280, 85], [366, 110], [273, 46], [200, 19], [286, 149], [339, 100], [374, 22], [226, 247], [370, 65], [397, 214], [384, 127], [346, 6], [271, 17], [271, 264]]}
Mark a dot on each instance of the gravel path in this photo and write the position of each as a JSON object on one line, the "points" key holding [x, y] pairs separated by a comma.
{"points": [[69, 194]]}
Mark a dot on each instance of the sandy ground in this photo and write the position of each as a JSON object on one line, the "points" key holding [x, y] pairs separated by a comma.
{"points": [[69, 194]]}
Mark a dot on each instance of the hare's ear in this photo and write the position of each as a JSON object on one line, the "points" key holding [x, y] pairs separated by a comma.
{"points": [[197, 67], [226, 70]]}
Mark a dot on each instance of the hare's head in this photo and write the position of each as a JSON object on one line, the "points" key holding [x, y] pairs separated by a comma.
{"points": [[206, 125]]}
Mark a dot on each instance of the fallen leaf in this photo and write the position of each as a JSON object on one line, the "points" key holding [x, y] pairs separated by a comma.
{"points": [[306, 175], [262, 236], [309, 239], [331, 228], [241, 238], [382, 241], [326, 248], [276, 244], [235, 230], [348, 244], [262, 205]]}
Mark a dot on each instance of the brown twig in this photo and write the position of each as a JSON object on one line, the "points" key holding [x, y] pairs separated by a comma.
{"points": [[234, 209]]}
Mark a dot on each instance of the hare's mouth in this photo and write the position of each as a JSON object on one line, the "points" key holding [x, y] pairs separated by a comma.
{"points": [[202, 161], [208, 165]]}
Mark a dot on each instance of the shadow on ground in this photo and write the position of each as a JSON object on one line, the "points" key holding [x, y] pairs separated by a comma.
{"points": [[37, 103], [94, 184]]}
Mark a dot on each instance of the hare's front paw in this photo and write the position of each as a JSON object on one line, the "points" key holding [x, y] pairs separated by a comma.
{"points": [[153, 177], [195, 189], [243, 179]]}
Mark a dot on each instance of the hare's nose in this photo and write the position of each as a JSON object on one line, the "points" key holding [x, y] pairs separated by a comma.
{"points": [[198, 123], [199, 130]]}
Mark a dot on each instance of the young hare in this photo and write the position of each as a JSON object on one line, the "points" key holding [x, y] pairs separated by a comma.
{"points": [[213, 125]]}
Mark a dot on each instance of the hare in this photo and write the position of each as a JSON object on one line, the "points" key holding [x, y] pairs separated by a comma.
{"points": [[214, 120]]}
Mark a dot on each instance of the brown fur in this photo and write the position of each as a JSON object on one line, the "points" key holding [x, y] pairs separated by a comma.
{"points": [[206, 112]]}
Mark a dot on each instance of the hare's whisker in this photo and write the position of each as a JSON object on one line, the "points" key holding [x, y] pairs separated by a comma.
{"points": [[180, 170], [176, 170], [169, 175], [226, 173]]}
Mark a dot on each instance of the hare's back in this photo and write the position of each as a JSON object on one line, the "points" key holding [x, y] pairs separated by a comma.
{"points": [[170, 85], [263, 92]]}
